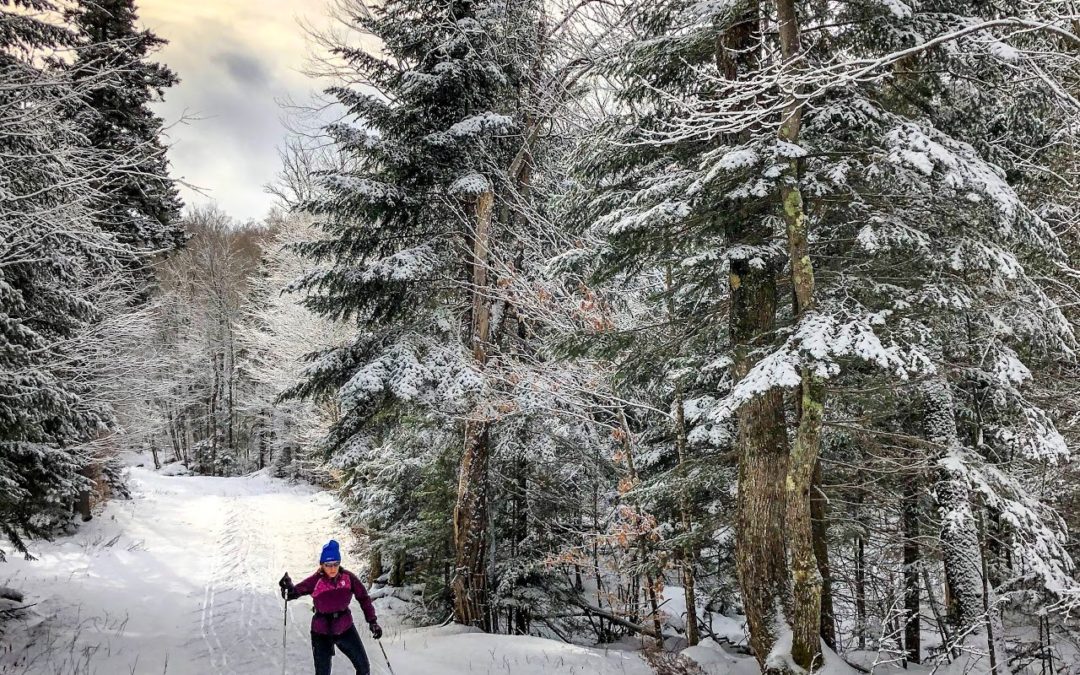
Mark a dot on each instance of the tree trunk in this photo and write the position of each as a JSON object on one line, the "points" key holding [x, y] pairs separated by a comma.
{"points": [[806, 578], [471, 507], [821, 552], [170, 429], [912, 594], [375, 568], [230, 391], [262, 431], [860, 590], [761, 549], [687, 554], [397, 572], [215, 404], [85, 511], [960, 549]]}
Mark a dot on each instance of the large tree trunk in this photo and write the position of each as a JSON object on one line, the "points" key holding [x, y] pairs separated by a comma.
{"points": [[470, 529], [761, 549], [960, 549], [805, 575], [471, 507]]}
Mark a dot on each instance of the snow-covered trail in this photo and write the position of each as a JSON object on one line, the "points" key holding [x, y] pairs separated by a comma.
{"points": [[183, 574], [182, 578]]}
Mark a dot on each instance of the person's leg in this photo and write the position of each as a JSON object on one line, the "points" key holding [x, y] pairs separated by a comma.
{"points": [[322, 649], [350, 645]]}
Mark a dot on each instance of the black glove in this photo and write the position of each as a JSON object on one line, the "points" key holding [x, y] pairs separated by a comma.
{"points": [[286, 586], [376, 630]]}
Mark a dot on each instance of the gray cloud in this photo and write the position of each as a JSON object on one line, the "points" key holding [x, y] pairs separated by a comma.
{"points": [[236, 61], [246, 69]]}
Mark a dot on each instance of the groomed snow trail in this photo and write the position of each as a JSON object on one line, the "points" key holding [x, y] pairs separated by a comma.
{"points": [[181, 580]]}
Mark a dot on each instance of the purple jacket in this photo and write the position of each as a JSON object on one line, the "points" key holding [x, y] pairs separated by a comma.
{"points": [[332, 596]]}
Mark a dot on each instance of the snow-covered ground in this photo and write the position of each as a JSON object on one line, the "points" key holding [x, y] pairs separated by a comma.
{"points": [[181, 579]]}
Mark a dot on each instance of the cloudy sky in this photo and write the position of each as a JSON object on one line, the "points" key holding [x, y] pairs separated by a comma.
{"points": [[236, 60]]}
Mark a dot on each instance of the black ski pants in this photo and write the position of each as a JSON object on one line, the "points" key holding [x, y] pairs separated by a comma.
{"points": [[348, 643]]}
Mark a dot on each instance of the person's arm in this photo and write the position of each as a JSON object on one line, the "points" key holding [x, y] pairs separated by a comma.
{"points": [[364, 599], [305, 587]]}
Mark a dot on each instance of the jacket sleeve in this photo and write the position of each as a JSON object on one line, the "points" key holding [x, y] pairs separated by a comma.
{"points": [[305, 587], [363, 598]]}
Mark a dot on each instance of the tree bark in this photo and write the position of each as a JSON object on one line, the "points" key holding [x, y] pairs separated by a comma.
{"points": [[688, 554], [860, 590], [375, 568], [761, 550], [85, 511], [819, 514], [762, 443], [960, 549], [471, 507], [805, 575], [397, 572], [171, 429]]}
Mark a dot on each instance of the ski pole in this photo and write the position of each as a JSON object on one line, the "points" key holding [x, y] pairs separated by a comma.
{"points": [[284, 635], [385, 657]]}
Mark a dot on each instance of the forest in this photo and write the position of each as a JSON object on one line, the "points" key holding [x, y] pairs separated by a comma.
{"points": [[574, 303]]}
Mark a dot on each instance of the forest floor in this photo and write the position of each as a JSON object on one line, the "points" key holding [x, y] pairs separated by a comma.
{"points": [[181, 579]]}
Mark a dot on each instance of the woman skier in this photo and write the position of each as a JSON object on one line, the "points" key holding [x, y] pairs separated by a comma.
{"points": [[332, 588]]}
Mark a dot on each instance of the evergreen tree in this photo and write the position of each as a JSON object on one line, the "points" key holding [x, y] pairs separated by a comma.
{"points": [[136, 199], [414, 231], [47, 247], [707, 252], [929, 263]]}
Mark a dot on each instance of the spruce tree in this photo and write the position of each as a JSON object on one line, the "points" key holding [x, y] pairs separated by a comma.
{"points": [[710, 251], [136, 199], [47, 246], [907, 194], [413, 230]]}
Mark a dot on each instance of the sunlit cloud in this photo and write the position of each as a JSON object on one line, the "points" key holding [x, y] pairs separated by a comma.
{"points": [[237, 60]]}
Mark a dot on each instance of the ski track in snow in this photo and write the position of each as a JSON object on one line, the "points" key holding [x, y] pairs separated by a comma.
{"points": [[182, 580]]}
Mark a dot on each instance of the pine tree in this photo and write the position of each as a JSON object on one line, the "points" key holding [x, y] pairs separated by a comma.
{"points": [[720, 254], [137, 200], [48, 249], [414, 230], [931, 261]]}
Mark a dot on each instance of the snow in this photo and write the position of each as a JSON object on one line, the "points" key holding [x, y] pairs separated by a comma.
{"points": [[182, 579], [899, 9], [741, 158], [470, 184], [959, 165], [713, 659], [483, 123]]}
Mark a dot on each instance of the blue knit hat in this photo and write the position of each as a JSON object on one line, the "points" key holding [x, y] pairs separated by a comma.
{"points": [[330, 553]]}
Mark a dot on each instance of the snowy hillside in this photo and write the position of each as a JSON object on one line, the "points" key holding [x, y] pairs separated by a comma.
{"points": [[182, 579]]}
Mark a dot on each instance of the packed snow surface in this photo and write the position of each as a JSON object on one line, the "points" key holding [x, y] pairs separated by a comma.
{"points": [[182, 579]]}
